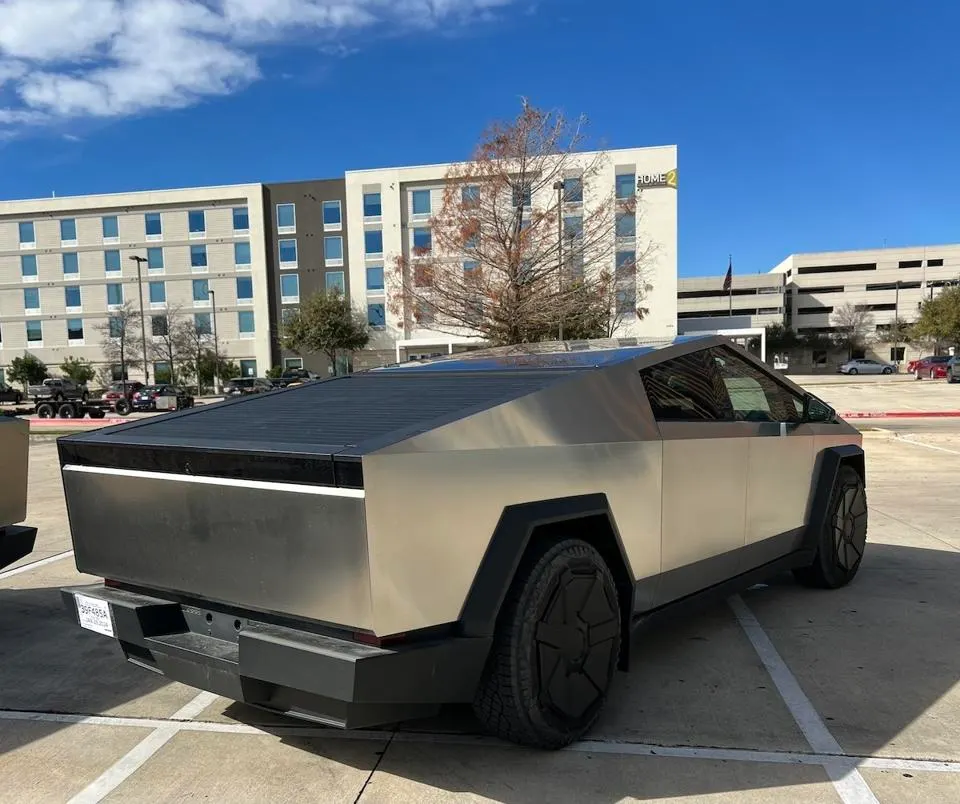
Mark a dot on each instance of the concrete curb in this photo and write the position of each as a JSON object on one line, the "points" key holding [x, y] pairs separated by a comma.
{"points": [[902, 414]]}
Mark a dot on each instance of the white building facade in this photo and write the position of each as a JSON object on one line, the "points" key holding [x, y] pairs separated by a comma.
{"points": [[66, 264], [389, 210]]}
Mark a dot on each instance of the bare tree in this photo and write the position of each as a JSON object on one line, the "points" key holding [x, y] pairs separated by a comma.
{"points": [[526, 245], [190, 341], [120, 338], [851, 323], [165, 345]]}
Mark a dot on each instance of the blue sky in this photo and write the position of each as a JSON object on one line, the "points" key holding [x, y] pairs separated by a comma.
{"points": [[800, 126]]}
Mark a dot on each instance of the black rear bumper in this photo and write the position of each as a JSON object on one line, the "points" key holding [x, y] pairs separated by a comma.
{"points": [[15, 543], [335, 681]]}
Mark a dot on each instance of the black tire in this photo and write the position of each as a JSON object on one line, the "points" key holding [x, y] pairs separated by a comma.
{"points": [[97, 414], [888, 370], [66, 411], [557, 582], [45, 410], [843, 541], [853, 371], [122, 407]]}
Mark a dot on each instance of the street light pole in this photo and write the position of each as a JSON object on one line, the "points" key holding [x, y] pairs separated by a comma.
{"points": [[216, 344], [143, 318], [558, 186]]}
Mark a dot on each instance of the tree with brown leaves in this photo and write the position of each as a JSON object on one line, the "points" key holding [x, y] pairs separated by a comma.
{"points": [[528, 243]]}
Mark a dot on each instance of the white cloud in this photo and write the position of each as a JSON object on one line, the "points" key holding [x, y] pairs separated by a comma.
{"points": [[62, 59]]}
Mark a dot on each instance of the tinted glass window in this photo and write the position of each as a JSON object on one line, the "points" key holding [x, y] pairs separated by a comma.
{"points": [[755, 395], [687, 388]]}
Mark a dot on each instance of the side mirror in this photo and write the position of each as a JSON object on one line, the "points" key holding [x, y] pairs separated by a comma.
{"points": [[816, 410]]}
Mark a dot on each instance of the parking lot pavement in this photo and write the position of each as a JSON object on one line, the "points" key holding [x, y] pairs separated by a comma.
{"points": [[784, 694], [895, 395]]}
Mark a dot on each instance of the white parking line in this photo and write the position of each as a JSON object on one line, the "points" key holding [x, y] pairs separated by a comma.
{"points": [[35, 564], [928, 446], [849, 784], [130, 762]]}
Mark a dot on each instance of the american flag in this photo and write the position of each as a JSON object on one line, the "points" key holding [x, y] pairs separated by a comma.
{"points": [[728, 279]]}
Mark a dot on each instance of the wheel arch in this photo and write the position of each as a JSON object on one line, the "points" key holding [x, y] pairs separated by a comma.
{"points": [[523, 528], [831, 460]]}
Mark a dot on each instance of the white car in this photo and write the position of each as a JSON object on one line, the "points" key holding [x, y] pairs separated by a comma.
{"points": [[865, 366]]}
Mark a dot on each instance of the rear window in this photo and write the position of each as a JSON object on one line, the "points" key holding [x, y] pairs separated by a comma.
{"points": [[940, 359]]}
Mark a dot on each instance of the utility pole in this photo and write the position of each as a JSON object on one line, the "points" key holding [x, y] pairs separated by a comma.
{"points": [[143, 320], [896, 325], [216, 343], [558, 186]]}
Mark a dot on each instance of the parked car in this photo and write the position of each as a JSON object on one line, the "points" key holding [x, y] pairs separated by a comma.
{"points": [[241, 386], [146, 397], [298, 375], [58, 389], [9, 394], [933, 367], [119, 396], [279, 566], [953, 369], [864, 366]]}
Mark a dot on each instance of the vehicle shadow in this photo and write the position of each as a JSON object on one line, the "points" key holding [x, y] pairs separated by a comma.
{"points": [[873, 658]]}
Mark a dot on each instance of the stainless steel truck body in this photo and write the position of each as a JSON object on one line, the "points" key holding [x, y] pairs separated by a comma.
{"points": [[484, 528], [15, 541]]}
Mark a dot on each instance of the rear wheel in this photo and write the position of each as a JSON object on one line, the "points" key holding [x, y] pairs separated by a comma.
{"points": [[122, 407], [97, 414], [66, 411], [45, 410], [843, 540], [555, 649]]}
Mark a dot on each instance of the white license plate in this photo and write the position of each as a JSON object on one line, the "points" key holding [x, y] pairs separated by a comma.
{"points": [[94, 614]]}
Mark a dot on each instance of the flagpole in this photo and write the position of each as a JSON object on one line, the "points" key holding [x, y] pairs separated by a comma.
{"points": [[730, 286]]}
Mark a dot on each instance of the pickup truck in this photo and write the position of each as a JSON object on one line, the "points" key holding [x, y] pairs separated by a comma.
{"points": [[58, 389]]}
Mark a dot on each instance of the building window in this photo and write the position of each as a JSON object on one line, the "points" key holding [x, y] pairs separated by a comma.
{"points": [[470, 195], [573, 227], [28, 238], [626, 224], [248, 368], [331, 215], [245, 323], [573, 190], [288, 253], [28, 267], [420, 202], [293, 362], [202, 323], [245, 290], [71, 263], [159, 326], [626, 264], [933, 264], [111, 228], [158, 293], [201, 292], [197, 223], [910, 264], [155, 259], [522, 195], [68, 232], [35, 333], [333, 250], [376, 315], [372, 207], [627, 299], [469, 266], [241, 254], [153, 225], [286, 218], [334, 281], [241, 219], [422, 240], [373, 242], [116, 326], [111, 261], [289, 289], [162, 372], [114, 294], [72, 298], [31, 300], [198, 256], [626, 184], [75, 331], [375, 278]]}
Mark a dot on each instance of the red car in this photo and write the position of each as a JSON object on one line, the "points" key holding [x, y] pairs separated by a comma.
{"points": [[933, 367], [120, 398]]}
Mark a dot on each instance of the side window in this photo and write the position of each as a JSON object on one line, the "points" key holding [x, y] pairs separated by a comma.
{"points": [[686, 389], [754, 395]]}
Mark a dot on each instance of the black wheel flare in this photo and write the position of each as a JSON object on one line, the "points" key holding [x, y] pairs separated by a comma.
{"points": [[574, 644]]}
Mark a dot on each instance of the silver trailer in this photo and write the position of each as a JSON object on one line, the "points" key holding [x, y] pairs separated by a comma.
{"points": [[15, 542], [487, 528]]}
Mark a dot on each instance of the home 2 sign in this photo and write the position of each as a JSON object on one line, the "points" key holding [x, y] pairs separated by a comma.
{"points": [[646, 181]]}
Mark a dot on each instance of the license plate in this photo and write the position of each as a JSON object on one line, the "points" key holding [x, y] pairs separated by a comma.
{"points": [[94, 615]]}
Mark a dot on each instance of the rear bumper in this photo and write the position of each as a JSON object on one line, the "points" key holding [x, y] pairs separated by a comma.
{"points": [[335, 681], [15, 543]]}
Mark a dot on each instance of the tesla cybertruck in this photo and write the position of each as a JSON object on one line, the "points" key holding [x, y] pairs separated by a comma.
{"points": [[15, 541], [486, 528]]}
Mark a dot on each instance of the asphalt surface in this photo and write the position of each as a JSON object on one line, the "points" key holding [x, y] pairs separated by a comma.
{"points": [[783, 694]]}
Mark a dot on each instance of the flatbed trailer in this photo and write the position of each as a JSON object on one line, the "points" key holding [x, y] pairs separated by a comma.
{"points": [[71, 409]]}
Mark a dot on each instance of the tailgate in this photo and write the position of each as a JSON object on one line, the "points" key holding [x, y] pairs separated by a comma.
{"points": [[287, 548]]}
